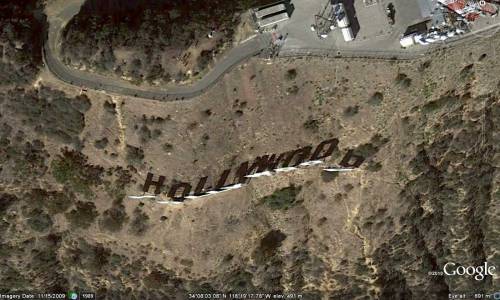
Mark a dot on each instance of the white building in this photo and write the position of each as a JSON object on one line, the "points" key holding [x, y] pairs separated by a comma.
{"points": [[273, 19], [272, 14], [264, 11]]}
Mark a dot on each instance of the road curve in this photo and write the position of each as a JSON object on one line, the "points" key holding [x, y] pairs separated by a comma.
{"points": [[232, 58], [98, 82]]}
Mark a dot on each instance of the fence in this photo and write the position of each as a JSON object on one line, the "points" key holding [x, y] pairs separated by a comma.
{"points": [[408, 54]]}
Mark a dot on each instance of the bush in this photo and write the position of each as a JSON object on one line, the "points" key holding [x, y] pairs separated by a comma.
{"points": [[114, 217], [403, 80], [20, 25], [204, 59], [145, 133], [154, 73], [283, 199], [83, 215], [54, 201], [329, 176], [134, 155], [167, 147], [374, 166], [312, 124], [271, 242], [291, 74], [24, 159], [109, 107], [371, 148], [140, 223], [102, 143], [443, 101], [6, 201], [425, 65], [467, 73], [51, 113], [239, 280], [376, 98], [351, 111], [293, 90], [39, 220], [72, 170]]}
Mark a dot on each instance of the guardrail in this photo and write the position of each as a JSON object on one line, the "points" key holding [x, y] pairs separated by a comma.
{"points": [[334, 53]]}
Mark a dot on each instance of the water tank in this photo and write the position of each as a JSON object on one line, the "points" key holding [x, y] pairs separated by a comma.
{"points": [[347, 33], [344, 22], [407, 41]]}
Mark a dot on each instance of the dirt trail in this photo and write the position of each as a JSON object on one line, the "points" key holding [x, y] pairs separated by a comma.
{"points": [[119, 120]]}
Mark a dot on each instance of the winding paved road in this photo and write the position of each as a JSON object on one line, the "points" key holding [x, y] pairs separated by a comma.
{"points": [[98, 82], [232, 58]]}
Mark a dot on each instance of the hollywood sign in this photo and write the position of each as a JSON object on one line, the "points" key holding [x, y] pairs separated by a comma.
{"points": [[264, 165]]}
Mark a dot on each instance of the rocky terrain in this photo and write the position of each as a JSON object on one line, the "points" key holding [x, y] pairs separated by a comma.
{"points": [[427, 194]]}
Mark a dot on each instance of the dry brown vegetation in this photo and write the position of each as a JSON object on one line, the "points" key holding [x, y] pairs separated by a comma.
{"points": [[424, 196]]}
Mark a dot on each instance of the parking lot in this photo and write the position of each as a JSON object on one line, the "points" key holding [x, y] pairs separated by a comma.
{"points": [[368, 20], [371, 27]]}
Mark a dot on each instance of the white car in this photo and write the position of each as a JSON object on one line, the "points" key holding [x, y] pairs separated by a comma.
{"points": [[419, 39], [422, 42], [430, 39]]}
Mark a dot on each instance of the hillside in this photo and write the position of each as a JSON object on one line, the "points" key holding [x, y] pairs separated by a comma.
{"points": [[426, 194], [20, 41], [154, 41]]}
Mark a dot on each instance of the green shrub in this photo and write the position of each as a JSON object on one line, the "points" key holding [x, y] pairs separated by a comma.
{"points": [[109, 107], [467, 72], [204, 59], [312, 124], [403, 80], [24, 159], [140, 223], [443, 101], [376, 98], [293, 90], [351, 111], [51, 112], [72, 170], [54, 201], [167, 147], [329, 176], [102, 143], [374, 166], [282, 199], [291, 74], [114, 217], [134, 155], [39, 220], [83, 215]]}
